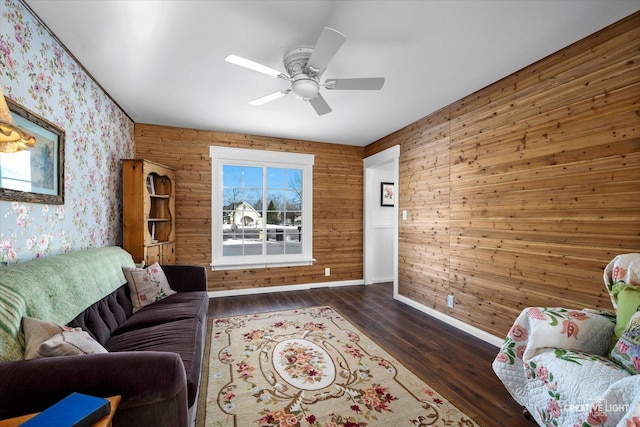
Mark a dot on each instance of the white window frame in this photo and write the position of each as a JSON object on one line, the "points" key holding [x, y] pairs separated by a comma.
{"points": [[221, 156]]}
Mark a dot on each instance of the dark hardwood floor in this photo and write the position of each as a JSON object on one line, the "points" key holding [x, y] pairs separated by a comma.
{"points": [[454, 363]]}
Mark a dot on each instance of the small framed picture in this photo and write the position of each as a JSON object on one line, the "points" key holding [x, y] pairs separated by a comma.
{"points": [[387, 194]]}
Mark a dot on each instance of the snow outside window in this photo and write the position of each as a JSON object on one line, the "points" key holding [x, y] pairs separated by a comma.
{"points": [[262, 206]]}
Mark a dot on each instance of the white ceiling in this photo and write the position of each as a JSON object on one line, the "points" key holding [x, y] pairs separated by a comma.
{"points": [[163, 61]]}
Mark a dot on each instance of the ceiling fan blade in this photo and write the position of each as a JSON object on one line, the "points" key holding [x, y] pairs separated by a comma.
{"points": [[328, 44], [367, 83], [320, 105], [270, 97], [247, 63]]}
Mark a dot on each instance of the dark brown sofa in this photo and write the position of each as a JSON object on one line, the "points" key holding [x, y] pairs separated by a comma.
{"points": [[154, 360]]}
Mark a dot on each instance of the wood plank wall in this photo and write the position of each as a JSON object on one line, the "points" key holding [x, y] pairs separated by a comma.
{"points": [[337, 204], [520, 194]]}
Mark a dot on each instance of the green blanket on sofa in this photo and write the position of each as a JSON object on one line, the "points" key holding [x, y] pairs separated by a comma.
{"points": [[55, 289]]}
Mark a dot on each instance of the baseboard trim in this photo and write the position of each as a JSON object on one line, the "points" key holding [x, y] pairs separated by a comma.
{"points": [[285, 288], [381, 280], [465, 327]]}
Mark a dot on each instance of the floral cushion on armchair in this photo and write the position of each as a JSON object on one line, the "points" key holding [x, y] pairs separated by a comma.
{"points": [[539, 329], [622, 280], [626, 352], [577, 330], [623, 268]]}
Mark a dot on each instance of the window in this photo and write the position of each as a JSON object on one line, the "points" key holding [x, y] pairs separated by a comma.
{"points": [[261, 208]]}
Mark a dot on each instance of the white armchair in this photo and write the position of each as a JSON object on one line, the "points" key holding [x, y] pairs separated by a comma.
{"points": [[559, 365]]}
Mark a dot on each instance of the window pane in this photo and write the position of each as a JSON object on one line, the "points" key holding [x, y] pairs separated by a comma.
{"points": [[293, 240], [293, 248], [231, 197], [275, 207], [284, 196], [275, 178], [241, 240], [231, 176], [253, 177], [241, 176], [294, 180], [275, 242], [231, 235], [253, 197], [297, 219], [293, 201], [241, 248], [242, 206]]}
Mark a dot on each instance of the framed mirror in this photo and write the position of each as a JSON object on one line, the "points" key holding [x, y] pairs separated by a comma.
{"points": [[35, 174]]}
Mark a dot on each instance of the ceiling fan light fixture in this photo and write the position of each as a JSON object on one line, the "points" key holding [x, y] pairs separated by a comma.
{"points": [[305, 89], [305, 67]]}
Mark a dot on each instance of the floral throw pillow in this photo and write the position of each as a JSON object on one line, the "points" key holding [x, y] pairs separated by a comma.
{"points": [[147, 285], [626, 352]]}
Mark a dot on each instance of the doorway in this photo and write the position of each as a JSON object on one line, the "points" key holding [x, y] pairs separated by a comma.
{"points": [[380, 219]]}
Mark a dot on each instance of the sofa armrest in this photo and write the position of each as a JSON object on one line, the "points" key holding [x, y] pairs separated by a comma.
{"points": [[185, 278], [141, 378]]}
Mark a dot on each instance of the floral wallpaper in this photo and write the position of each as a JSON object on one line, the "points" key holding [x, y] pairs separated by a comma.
{"points": [[39, 74]]}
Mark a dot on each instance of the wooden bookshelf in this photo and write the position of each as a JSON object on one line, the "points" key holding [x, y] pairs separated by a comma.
{"points": [[148, 216]]}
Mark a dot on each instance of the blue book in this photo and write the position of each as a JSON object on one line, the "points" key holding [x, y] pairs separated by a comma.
{"points": [[75, 410]]}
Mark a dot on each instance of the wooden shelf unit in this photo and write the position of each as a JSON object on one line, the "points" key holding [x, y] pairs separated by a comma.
{"points": [[148, 211]]}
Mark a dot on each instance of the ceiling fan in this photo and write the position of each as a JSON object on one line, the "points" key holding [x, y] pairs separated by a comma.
{"points": [[305, 67]]}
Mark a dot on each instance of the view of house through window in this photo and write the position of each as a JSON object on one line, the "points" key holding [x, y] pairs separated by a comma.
{"points": [[262, 210]]}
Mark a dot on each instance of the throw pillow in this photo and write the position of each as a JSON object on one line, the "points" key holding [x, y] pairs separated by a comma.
{"points": [[44, 339], [623, 268], [147, 285], [70, 343], [36, 332], [628, 301], [626, 352]]}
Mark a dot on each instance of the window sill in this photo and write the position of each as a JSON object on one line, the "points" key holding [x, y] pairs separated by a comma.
{"points": [[219, 265]]}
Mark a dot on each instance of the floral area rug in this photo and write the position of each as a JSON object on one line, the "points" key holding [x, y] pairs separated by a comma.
{"points": [[311, 367]]}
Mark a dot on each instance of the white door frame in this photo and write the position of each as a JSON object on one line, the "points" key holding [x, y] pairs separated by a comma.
{"points": [[389, 156]]}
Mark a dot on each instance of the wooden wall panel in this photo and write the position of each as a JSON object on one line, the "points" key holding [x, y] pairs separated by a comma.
{"points": [[541, 189], [423, 268], [337, 205]]}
